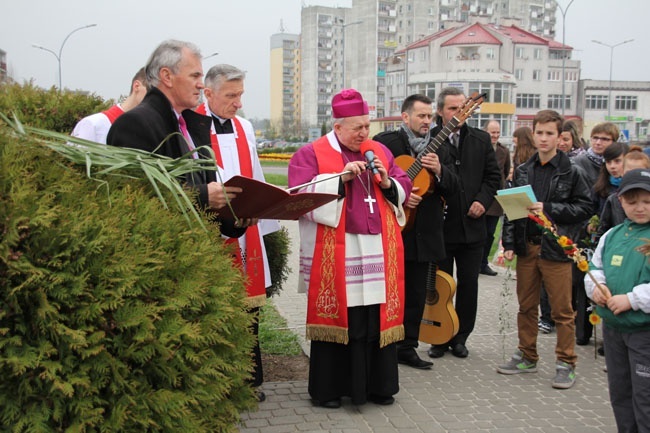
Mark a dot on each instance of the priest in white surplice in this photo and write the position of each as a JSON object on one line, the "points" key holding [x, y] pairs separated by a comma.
{"points": [[232, 139], [351, 260]]}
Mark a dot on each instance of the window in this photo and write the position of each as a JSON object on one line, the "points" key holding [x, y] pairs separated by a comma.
{"points": [[449, 55], [519, 53], [528, 100], [625, 103], [537, 53], [596, 102], [489, 53], [537, 75], [519, 74], [554, 75], [481, 88], [571, 76], [555, 102], [501, 93]]}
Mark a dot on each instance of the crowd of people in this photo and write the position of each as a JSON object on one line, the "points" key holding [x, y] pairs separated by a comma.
{"points": [[366, 258]]}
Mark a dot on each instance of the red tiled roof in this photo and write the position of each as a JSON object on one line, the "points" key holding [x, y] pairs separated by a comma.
{"points": [[475, 34], [424, 42], [519, 35], [558, 45]]}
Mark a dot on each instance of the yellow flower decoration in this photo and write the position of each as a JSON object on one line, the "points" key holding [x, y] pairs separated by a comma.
{"points": [[583, 265], [563, 241], [594, 319]]}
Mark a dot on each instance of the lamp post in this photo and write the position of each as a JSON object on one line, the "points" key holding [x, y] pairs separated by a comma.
{"points": [[343, 26], [611, 64], [563, 11], [58, 56], [211, 55]]}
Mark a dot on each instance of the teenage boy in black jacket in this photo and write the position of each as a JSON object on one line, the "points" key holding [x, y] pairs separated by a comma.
{"points": [[564, 197]]}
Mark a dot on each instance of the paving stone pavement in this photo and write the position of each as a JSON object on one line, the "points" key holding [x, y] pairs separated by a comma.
{"points": [[457, 395]]}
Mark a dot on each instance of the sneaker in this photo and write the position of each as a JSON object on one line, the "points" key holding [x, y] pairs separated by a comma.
{"points": [[565, 376], [517, 364], [545, 327]]}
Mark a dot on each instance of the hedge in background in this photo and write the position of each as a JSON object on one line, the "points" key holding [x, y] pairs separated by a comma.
{"points": [[48, 109], [115, 316]]}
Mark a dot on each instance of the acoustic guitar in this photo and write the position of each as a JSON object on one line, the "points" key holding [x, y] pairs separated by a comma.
{"points": [[413, 166], [439, 322]]}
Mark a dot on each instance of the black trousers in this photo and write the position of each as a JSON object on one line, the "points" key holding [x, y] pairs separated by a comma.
{"points": [[491, 222], [258, 374], [468, 263], [415, 296]]}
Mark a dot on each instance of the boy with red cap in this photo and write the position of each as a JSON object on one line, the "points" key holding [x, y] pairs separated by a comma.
{"points": [[351, 259]]}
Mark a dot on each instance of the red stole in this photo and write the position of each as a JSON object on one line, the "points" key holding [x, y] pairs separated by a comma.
{"points": [[327, 318], [113, 113], [255, 283]]}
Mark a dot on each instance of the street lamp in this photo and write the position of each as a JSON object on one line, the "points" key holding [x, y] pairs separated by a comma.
{"points": [[343, 26], [563, 11], [611, 63], [58, 56], [211, 55]]}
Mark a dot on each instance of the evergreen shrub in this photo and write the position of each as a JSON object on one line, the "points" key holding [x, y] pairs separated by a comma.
{"points": [[277, 251], [49, 109], [115, 315]]}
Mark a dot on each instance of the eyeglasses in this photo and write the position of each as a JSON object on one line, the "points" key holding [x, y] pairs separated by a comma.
{"points": [[603, 139]]}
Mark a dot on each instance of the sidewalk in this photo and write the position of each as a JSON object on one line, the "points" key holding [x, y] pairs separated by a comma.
{"points": [[457, 395]]}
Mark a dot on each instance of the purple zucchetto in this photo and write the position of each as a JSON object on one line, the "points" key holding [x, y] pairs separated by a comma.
{"points": [[348, 103]]}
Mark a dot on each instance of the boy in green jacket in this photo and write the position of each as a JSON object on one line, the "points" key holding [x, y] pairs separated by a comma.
{"points": [[620, 265]]}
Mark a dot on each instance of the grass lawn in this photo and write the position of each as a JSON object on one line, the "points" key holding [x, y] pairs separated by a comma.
{"points": [[275, 338], [276, 179]]}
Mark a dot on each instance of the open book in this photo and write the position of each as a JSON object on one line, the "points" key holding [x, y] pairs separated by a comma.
{"points": [[265, 201], [515, 201]]}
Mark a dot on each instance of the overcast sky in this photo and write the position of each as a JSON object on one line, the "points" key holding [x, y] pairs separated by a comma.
{"points": [[103, 59]]}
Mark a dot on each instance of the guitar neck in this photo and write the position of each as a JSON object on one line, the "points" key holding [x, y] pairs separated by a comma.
{"points": [[433, 145]]}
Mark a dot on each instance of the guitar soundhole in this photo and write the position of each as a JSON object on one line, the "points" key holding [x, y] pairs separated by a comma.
{"points": [[432, 297]]}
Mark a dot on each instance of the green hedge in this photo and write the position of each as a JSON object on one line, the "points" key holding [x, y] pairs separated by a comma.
{"points": [[48, 109], [115, 316]]}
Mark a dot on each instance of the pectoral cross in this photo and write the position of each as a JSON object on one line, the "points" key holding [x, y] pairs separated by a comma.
{"points": [[370, 201]]}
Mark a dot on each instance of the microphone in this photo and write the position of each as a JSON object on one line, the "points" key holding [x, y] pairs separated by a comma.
{"points": [[370, 158]]}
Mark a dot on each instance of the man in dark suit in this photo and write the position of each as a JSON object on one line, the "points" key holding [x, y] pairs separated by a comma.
{"points": [[465, 232], [175, 79], [424, 241]]}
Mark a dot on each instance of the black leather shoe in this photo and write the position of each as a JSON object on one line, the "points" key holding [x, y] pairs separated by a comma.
{"points": [[381, 400], [437, 351], [413, 360], [487, 270], [582, 341], [459, 350], [261, 396], [329, 404], [601, 350]]}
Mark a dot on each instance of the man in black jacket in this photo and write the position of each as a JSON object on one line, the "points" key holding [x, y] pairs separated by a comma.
{"points": [[564, 197], [475, 164], [174, 80], [423, 239]]}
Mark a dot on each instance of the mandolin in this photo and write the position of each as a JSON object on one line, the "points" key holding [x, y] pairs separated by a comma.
{"points": [[439, 321], [413, 166]]}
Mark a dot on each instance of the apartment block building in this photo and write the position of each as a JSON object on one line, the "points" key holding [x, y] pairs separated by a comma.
{"points": [[389, 49], [285, 83], [353, 47], [3, 65]]}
